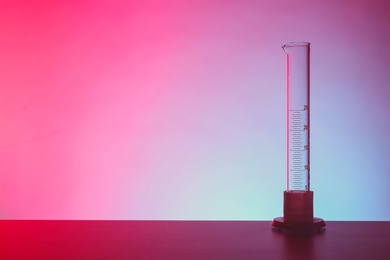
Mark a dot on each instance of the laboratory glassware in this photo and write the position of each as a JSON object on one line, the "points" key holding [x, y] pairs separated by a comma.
{"points": [[298, 198]]}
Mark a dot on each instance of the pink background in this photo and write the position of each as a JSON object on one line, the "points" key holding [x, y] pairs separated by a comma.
{"points": [[176, 109]]}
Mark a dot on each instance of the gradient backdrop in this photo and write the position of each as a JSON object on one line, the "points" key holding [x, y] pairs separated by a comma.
{"points": [[176, 109]]}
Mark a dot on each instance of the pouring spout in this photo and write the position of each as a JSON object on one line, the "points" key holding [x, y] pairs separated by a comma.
{"points": [[284, 47]]}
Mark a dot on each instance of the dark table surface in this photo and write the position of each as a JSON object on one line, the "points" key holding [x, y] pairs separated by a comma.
{"points": [[74, 239]]}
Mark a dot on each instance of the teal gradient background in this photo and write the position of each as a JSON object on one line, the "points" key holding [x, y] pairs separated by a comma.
{"points": [[176, 109]]}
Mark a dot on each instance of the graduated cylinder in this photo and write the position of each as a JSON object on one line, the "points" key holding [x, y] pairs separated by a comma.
{"points": [[298, 198]]}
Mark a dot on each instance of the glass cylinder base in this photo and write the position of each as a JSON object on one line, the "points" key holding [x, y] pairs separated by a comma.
{"points": [[298, 212]]}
